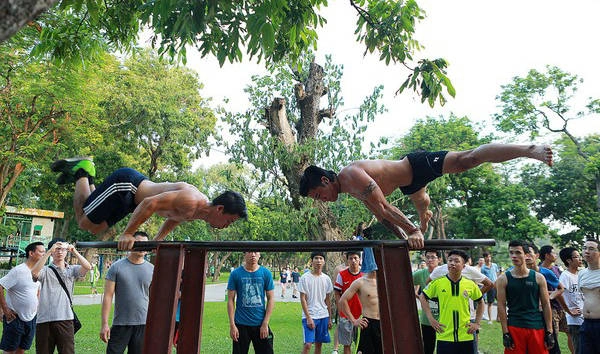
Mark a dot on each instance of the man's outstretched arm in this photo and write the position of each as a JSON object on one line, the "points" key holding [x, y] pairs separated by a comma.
{"points": [[366, 189], [144, 210], [391, 217]]}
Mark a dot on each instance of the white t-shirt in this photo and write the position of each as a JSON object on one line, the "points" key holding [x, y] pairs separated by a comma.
{"points": [[589, 279], [573, 297], [21, 292], [468, 272], [316, 288]]}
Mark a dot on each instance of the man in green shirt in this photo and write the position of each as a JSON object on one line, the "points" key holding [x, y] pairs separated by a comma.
{"points": [[420, 281], [454, 328]]}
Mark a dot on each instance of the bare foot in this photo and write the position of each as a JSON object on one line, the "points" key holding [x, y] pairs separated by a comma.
{"points": [[424, 220], [543, 153]]}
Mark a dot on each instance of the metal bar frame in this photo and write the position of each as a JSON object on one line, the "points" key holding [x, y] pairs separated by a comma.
{"points": [[397, 307]]}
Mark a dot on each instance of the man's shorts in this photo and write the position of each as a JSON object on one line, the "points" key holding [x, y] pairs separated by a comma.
{"points": [[426, 166], [17, 334], [320, 334], [114, 199], [370, 338], [346, 331], [589, 334], [490, 296], [559, 321], [527, 341]]}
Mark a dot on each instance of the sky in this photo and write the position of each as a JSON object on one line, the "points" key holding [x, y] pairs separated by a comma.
{"points": [[486, 44]]}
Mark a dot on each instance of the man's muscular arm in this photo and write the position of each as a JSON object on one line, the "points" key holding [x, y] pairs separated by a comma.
{"points": [[165, 228], [144, 210], [390, 216]]}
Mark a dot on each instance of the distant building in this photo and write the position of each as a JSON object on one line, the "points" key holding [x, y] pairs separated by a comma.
{"points": [[30, 225]]}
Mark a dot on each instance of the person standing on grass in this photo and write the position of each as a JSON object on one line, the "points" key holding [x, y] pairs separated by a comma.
{"points": [[21, 303], [346, 331], [522, 290], [369, 322], [455, 331], [491, 271], [315, 296], [432, 260], [573, 296], [250, 303], [128, 281], [54, 329], [589, 283]]}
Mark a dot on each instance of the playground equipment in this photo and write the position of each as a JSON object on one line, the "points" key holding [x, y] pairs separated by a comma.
{"points": [[400, 328]]}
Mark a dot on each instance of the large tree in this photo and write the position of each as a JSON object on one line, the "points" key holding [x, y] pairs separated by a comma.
{"points": [[158, 114], [298, 129], [567, 194], [270, 30], [546, 102], [39, 104]]}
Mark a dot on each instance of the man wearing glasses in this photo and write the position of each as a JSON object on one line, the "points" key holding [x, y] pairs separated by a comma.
{"points": [[589, 284]]}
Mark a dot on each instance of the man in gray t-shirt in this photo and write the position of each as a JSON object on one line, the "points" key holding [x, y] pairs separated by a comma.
{"points": [[128, 280], [54, 328]]}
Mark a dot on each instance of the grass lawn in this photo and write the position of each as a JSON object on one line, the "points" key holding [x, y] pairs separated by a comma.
{"points": [[285, 324]]}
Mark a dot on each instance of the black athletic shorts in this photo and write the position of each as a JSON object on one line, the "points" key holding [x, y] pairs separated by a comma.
{"points": [[114, 198], [426, 167], [370, 338]]}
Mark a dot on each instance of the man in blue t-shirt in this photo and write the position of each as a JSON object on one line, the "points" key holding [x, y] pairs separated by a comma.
{"points": [[249, 314], [490, 270]]}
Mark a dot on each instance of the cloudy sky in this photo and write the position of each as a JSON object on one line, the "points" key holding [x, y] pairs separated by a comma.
{"points": [[486, 43]]}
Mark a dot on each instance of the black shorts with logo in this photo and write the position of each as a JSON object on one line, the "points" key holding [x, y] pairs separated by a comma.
{"points": [[426, 167]]}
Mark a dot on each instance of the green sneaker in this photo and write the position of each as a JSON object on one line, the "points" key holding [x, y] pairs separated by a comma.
{"points": [[65, 165], [86, 165]]}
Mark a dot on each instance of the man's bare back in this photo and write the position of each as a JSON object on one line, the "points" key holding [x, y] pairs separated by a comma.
{"points": [[388, 175]]}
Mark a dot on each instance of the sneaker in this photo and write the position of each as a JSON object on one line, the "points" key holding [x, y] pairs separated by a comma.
{"points": [[334, 351], [489, 322], [71, 165], [65, 178]]}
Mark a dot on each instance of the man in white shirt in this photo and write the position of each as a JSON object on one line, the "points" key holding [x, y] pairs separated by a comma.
{"points": [[21, 302], [589, 284], [572, 295], [315, 294]]}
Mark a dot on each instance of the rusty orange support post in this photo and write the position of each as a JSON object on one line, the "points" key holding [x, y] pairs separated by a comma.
{"points": [[164, 292], [400, 330], [192, 301]]}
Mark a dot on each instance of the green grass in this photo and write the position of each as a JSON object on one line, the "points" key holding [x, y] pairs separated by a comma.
{"points": [[285, 323]]}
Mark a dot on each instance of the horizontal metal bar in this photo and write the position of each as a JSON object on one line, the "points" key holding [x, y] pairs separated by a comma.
{"points": [[295, 246]]}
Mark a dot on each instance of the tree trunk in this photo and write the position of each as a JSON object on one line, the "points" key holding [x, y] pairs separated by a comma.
{"points": [[308, 96], [219, 265], [16, 14]]}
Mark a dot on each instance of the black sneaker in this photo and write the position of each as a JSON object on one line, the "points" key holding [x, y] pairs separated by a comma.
{"points": [[65, 179], [71, 165]]}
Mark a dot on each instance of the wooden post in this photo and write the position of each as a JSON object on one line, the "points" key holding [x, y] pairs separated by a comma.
{"points": [[164, 292], [192, 301], [400, 330]]}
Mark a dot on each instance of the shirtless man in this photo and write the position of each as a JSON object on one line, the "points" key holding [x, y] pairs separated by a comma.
{"points": [[589, 284], [370, 336], [128, 191], [372, 180]]}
